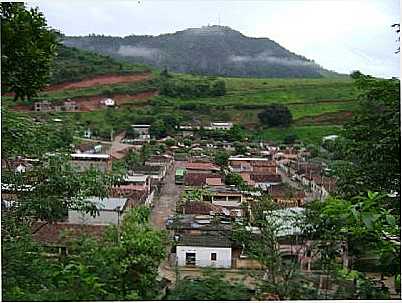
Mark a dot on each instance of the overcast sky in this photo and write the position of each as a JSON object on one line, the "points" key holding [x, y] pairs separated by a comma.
{"points": [[340, 35]]}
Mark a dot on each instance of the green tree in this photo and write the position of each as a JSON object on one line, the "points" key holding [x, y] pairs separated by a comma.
{"points": [[372, 139], [221, 158], [235, 179], [158, 129], [210, 287], [275, 115], [236, 133], [27, 49], [281, 277], [365, 225], [132, 253], [218, 88], [132, 159], [290, 139], [240, 148]]}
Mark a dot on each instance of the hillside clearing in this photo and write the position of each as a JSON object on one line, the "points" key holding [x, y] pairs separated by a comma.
{"points": [[307, 134], [99, 80]]}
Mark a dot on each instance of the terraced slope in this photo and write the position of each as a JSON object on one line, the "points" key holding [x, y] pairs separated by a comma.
{"points": [[319, 106]]}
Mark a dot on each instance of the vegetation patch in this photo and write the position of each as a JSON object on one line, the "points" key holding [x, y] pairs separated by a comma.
{"points": [[73, 64], [307, 134]]}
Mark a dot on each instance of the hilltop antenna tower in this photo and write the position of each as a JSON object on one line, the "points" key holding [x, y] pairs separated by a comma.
{"points": [[219, 19]]}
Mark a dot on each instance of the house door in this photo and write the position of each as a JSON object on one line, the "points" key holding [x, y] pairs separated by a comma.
{"points": [[190, 259]]}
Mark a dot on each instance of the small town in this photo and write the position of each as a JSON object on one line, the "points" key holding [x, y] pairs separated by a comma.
{"points": [[124, 181]]}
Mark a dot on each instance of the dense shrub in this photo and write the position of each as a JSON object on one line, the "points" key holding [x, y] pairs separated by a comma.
{"points": [[275, 115], [185, 88]]}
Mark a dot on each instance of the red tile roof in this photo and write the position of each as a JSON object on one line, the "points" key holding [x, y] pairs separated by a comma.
{"points": [[262, 178], [263, 163], [198, 179], [62, 233], [201, 166], [281, 192], [247, 178], [200, 208], [216, 181]]}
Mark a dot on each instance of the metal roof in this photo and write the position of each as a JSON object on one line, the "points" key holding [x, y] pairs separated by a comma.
{"points": [[211, 240], [91, 156], [180, 171], [136, 178], [108, 203], [247, 159]]}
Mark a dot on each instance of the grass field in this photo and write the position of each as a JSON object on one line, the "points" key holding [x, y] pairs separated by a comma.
{"points": [[318, 106], [307, 134]]}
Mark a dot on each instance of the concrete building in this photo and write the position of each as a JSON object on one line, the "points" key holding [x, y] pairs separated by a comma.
{"points": [[110, 212], [256, 165], [220, 126], [204, 251], [82, 162]]}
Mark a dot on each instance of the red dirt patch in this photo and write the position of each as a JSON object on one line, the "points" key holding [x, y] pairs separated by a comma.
{"points": [[100, 80], [92, 103], [326, 118]]}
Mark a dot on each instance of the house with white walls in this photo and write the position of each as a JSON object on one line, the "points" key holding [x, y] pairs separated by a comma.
{"points": [[204, 250], [110, 211]]}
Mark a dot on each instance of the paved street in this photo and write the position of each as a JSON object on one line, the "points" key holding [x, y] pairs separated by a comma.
{"points": [[309, 196], [165, 205]]}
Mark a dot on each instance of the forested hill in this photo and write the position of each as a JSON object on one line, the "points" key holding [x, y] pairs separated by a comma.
{"points": [[209, 50], [72, 64]]}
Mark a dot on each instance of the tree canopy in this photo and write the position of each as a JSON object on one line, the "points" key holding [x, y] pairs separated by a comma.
{"points": [[371, 144], [27, 49], [210, 287], [275, 115]]}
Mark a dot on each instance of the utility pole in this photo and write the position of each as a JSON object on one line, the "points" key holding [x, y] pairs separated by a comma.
{"points": [[111, 135]]}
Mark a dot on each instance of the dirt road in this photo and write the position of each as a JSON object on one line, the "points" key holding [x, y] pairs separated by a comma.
{"points": [[100, 80], [166, 203]]}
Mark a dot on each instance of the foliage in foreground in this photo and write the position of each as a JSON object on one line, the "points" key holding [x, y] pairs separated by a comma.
{"points": [[28, 47], [211, 286], [121, 266]]}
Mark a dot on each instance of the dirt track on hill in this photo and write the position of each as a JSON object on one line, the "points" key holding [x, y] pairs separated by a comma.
{"points": [[92, 103], [338, 117], [99, 80]]}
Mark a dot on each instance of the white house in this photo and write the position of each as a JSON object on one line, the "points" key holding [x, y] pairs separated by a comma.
{"points": [[264, 181], [143, 132], [82, 161], [330, 137], [110, 212], [88, 133], [220, 125], [109, 102], [204, 251]]}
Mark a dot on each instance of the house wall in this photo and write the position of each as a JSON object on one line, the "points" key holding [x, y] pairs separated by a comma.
{"points": [[150, 198], [265, 169], [266, 185], [203, 256], [83, 165], [104, 217], [229, 200]]}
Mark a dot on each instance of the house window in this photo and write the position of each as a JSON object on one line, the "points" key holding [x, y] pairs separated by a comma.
{"points": [[190, 258], [213, 256]]}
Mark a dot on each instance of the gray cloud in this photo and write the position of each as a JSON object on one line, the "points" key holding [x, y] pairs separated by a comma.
{"points": [[143, 52], [266, 57], [325, 31]]}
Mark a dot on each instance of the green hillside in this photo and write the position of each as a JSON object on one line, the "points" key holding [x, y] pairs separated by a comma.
{"points": [[319, 106], [73, 64], [208, 50]]}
